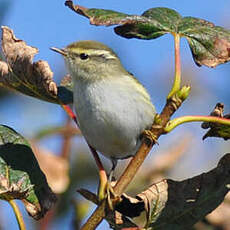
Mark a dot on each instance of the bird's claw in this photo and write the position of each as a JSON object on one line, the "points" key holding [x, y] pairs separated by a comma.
{"points": [[109, 195], [112, 198]]}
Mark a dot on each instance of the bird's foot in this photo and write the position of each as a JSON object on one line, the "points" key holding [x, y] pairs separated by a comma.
{"points": [[112, 198], [106, 192]]}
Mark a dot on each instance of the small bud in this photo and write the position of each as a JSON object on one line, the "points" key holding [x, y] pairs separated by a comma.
{"points": [[183, 93]]}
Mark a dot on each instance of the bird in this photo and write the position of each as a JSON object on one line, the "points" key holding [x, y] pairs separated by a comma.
{"points": [[112, 107]]}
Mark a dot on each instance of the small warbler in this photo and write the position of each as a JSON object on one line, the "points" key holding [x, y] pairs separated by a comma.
{"points": [[112, 107]]}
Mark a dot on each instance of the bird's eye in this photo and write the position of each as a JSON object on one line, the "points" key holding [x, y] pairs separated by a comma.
{"points": [[84, 56]]}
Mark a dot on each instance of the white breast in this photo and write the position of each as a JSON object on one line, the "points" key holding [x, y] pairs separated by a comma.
{"points": [[112, 115]]}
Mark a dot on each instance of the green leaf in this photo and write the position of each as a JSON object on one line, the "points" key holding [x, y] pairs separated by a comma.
{"points": [[179, 205], [20, 73], [210, 44], [20, 174], [152, 24]]}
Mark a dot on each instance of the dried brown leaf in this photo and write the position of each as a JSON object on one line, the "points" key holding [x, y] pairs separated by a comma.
{"points": [[20, 73], [218, 111], [179, 205], [216, 129]]}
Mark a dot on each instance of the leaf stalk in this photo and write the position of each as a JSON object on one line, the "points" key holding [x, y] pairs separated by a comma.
{"points": [[177, 77], [18, 215], [185, 119]]}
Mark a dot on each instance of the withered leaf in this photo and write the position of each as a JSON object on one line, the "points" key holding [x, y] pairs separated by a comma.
{"points": [[218, 111], [20, 73], [179, 205], [210, 44], [98, 16], [216, 129], [219, 130], [20, 175]]}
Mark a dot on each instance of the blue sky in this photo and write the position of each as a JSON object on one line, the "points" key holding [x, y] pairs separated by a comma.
{"points": [[44, 24]]}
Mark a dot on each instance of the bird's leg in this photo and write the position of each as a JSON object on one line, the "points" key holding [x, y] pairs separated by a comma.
{"points": [[105, 189], [103, 181]]}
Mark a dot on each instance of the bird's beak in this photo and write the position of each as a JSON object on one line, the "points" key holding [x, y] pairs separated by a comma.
{"points": [[60, 51]]}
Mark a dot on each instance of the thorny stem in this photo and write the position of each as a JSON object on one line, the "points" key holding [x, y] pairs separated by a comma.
{"points": [[18, 215], [180, 120], [177, 77]]}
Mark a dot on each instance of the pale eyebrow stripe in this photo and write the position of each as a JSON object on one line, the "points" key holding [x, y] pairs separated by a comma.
{"points": [[107, 54]]}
